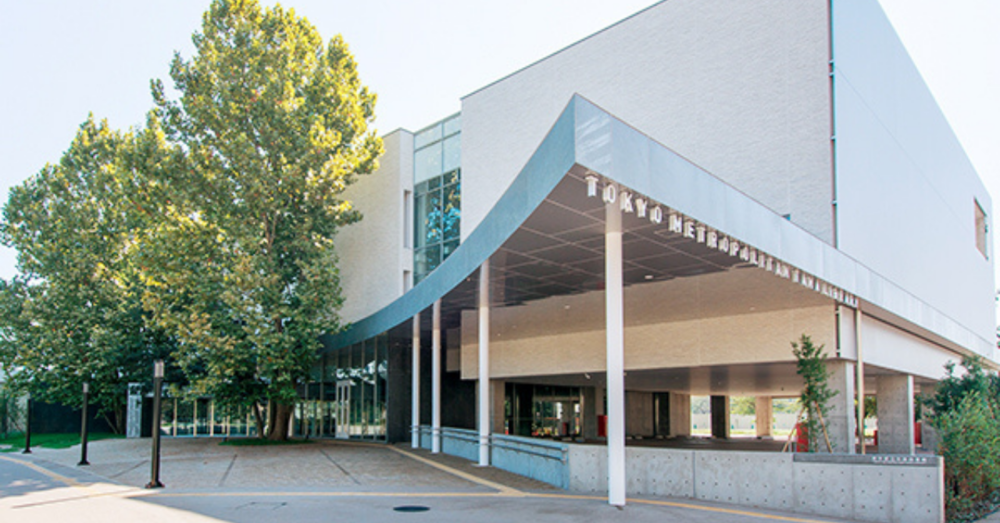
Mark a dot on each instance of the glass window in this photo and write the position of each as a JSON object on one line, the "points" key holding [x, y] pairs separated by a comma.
{"points": [[435, 217], [420, 218], [431, 134], [427, 163], [330, 362], [344, 364], [452, 153], [437, 199], [453, 125], [448, 247], [368, 416], [382, 375], [426, 260], [185, 417], [451, 216]]}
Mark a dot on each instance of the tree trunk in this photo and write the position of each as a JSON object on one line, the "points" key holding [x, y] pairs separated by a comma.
{"points": [[116, 420], [259, 418], [280, 414]]}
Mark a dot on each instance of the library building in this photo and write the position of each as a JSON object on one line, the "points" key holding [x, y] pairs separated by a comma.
{"points": [[574, 277]]}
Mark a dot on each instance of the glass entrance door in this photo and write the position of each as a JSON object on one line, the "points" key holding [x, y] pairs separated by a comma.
{"points": [[342, 408]]}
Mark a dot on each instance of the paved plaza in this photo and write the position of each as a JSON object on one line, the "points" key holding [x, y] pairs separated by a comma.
{"points": [[320, 481]]}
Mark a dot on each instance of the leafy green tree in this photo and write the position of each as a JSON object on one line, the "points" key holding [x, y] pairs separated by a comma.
{"points": [[785, 405], [811, 365], [950, 391], [74, 312], [743, 405], [274, 125], [965, 410]]}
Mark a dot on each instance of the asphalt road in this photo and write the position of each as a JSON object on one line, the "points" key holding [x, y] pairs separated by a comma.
{"points": [[21, 480]]}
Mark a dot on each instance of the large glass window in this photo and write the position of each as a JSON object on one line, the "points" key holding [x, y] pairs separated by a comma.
{"points": [[437, 200], [356, 376]]}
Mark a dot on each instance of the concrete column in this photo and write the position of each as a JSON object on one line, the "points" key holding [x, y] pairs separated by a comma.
{"points": [[499, 416], [436, 377], [415, 386], [765, 416], [720, 417], [680, 414], [484, 364], [615, 349], [840, 420], [895, 414], [589, 413]]}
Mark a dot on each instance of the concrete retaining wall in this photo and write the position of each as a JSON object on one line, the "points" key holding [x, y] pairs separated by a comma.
{"points": [[542, 460], [903, 489], [537, 459]]}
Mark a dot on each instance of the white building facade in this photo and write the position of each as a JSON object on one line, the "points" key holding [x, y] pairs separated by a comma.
{"points": [[656, 212]]}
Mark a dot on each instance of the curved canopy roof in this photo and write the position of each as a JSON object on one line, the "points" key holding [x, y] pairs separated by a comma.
{"points": [[546, 232]]}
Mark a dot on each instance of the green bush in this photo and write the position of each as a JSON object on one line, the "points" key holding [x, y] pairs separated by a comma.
{"points": [[970, 439], [966, 412]]}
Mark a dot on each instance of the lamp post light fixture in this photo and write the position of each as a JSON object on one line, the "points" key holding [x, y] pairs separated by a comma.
{"points": [[27, 427], [154, 481], [83, 426]]}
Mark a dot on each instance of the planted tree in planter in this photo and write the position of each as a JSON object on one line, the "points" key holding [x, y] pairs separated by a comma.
{"points": [[816, 394]]}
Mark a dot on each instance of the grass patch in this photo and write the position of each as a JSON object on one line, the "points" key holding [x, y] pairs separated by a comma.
{"points": [[258, 442], [52, 441]]}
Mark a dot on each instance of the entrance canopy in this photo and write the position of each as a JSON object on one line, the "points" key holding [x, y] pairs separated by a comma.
{"points": [[545, 238]]}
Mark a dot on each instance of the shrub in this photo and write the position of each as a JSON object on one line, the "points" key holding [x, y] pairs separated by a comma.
{"points": [[966, 412]]}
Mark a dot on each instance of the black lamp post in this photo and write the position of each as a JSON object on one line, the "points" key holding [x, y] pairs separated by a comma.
{"points": [[27, 427], [83, 426], [154, 482]]}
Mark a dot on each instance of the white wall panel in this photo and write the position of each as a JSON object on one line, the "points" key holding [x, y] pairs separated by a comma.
{"points": [[739, 88], [905, 188], [371, 252]]}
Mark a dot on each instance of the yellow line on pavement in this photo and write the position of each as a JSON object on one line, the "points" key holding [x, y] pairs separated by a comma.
{"points": [[502, 489], [329, 494], [686, 506], [58, 477]]}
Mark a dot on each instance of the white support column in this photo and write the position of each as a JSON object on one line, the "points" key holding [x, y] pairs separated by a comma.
{"points": [[614, 327], [859, 380], [436, 378], [415, 386], [484, 365]]}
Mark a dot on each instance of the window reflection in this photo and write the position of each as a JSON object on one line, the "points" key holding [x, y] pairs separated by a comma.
{"points": [[350, 401], [437, 200]]}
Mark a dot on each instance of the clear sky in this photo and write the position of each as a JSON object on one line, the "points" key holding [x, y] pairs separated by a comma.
{"points": [[63, 60]]}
